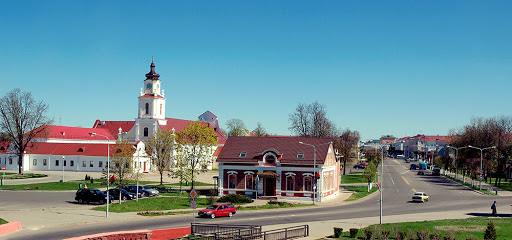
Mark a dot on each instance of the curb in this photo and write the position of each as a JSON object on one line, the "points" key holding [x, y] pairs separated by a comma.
{"points": [[10, 227]]}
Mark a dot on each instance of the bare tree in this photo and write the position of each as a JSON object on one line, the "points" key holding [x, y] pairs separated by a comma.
{"points": [[121, 163], [162, 145], [236, 127], [259, 131], [311, 121], [22, 119], [346, 144]]}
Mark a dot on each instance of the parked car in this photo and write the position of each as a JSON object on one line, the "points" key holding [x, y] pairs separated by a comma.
{"points": [[407, 160], [436, 172], [365, 164], [217, 210], [420, 172], [413, 167], [133, 189], [148, 191], [125, 195], [420, 197], [359, 166], [85, 195], [423, 166]]}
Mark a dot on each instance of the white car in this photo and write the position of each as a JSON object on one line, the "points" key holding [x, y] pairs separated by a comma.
{"points": [[420, 197]]}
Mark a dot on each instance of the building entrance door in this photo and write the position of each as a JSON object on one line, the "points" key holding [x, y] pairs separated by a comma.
{"points": [[270, 187]]}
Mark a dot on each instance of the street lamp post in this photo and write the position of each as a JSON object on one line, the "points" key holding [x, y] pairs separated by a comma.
{"points": [[456, 156], [314, 166], [108, 167], [481, 159], [63, 159]]}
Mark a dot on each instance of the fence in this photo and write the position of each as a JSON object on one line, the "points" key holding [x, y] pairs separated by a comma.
{"points": [[244, 232]]}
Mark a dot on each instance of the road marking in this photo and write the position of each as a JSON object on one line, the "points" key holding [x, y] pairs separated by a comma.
{"points": [[391, 179], [414, 190], [405, 180]]}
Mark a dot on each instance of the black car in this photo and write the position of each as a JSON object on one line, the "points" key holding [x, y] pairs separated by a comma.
{"points": [[125, 195], [85, 195], [133, 189], [420, 172], [359, 166], [436, 172]]}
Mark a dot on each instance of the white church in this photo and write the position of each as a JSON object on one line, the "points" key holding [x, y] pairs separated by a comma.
{"points": [[86, 149]]}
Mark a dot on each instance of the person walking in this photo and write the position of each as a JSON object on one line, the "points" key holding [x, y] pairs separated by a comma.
{"points": [[493, 207]]}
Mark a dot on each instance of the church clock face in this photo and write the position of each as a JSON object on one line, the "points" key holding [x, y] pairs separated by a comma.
{"points": [[148, 86]]}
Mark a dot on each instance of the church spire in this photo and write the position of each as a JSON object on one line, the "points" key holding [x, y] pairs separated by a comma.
{"points": [[152, 74]]}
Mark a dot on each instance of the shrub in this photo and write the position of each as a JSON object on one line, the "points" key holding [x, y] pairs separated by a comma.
{"points": [[435, 236], [422, 235], [490, 232], [400, 234], [338, 232], [353, 232], [281, 204], [92, 180], [235, 198], [449, 236], [384, 234], [368, 233], [212, 197]]}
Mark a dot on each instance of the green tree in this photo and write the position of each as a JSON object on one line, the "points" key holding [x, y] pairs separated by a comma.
{"points": [[161, 145], [121, 162], [259, 131], [23, 119], [196, 144], [236, 127]]}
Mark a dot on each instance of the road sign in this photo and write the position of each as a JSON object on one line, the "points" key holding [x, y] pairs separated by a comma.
{"points": [[3, 168], [193, 194], [193, 204], [481, 171]]}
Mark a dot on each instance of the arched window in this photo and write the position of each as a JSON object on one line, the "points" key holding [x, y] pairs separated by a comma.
{"points": [[146, 132], [232, 181], [308, 183], [290, 183], [147, 108], [249, 182]]}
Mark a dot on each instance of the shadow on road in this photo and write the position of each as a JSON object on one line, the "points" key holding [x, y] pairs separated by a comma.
{"points": [[488, 215]]}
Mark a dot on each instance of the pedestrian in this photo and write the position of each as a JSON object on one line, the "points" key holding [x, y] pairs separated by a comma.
{"points": [[493, 207]]}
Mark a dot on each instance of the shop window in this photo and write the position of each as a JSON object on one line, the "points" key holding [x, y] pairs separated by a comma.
{"points": [[249, 182], [232, 181], [308, 183]]}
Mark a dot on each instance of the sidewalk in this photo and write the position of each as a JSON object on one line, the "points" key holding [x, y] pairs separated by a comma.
{"points": [[485, 186]]}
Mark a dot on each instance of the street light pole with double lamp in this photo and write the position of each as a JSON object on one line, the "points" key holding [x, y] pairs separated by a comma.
{"points": [[481, 159], [314, 166], [108, 167]]}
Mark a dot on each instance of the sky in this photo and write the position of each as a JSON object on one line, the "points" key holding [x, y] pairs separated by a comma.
{"points": [[380, 67]]}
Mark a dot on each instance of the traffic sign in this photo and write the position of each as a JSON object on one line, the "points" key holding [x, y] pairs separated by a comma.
{"points": [[3, 168], [193, 204], [193, 194], [481, 171]]}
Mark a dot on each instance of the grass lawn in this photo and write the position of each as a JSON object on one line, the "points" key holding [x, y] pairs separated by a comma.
{"points": [[153, 204], [467, 183], [353, 178], [360, 192], [23, 176], [62, 186], [2, 221], [459, 228], [175, 194]]}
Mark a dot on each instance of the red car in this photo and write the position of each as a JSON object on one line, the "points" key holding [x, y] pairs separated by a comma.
{"points": [[218, 210]]}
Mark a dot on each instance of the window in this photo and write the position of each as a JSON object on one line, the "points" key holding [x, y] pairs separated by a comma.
{"points": [[146, 132], [147, 108], [300, 155], [242, 155], [64, 162], [71, 163], [34, 162], [44, 162], [308, 183], [80, 150], [10, 160], [56, 163], [91, 164], [232, 181], [100, 164], [249, 182], [84, 164], [270, 159], [290, 183]]}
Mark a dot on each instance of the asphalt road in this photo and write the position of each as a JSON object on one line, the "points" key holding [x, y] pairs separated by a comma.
{"points": [[398, 186]]}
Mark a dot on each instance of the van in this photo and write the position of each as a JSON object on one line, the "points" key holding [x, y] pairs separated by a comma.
{"points": [[423, 166]]}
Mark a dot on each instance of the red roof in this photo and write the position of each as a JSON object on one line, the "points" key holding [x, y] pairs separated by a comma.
{"points": [[77, 133], [287, 146], [4, 145], [68, 149], [151, 96], [113, 126]]}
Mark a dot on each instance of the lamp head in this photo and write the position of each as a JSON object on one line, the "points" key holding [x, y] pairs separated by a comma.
{"points": [[92, 134], [301, 142]]}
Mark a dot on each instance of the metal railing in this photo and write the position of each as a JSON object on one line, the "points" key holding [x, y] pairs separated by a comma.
{"points": [[277, 234], [244, 232], [201, 228]]}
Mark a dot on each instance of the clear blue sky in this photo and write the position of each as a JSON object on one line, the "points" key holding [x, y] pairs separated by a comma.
{"points": [[380, 67]]}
